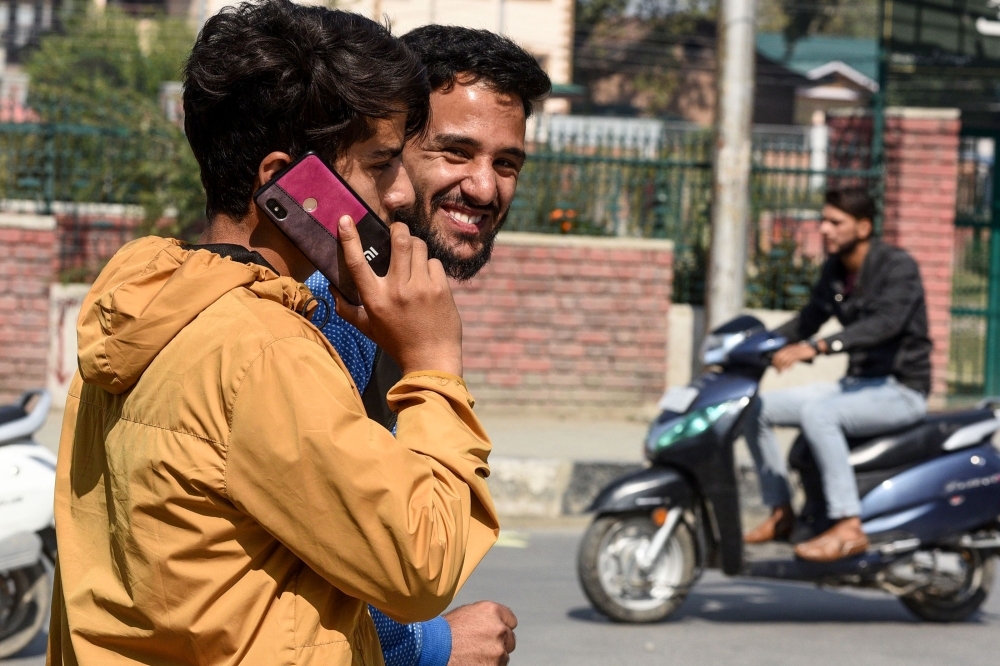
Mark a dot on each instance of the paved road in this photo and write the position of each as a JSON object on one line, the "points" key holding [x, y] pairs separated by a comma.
{"points": [[724, 621]]}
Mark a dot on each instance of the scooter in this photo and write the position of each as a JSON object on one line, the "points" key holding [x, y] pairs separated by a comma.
{"points": [[27, 534], [930, 502]]}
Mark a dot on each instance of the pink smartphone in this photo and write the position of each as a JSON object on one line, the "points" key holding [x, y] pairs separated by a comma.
{"points": [[305, 200]]}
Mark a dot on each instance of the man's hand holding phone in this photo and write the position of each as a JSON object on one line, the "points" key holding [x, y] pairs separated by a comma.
{"points": [[410, 313]]}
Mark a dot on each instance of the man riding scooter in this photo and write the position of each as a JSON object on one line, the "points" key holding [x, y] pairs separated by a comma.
{"points": [[875, 291]]}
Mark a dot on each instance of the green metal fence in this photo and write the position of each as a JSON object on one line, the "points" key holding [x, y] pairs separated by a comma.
{"points": [[623, 177], [653, 179], [56, 157], [616, 184], [47, 162], [975, 312]]}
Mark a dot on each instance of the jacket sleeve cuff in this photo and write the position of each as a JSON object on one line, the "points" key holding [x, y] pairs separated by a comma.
{"points": [[448, 385], [444, 377], [436, 647], [835, 344]]}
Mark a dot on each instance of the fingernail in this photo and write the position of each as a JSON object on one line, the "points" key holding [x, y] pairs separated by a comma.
{"points": [[344, 223]]}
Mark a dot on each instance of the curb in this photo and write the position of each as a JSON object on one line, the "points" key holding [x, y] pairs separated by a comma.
{"points": [[549, 488]]}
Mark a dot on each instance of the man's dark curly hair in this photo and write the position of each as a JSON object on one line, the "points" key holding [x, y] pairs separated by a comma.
{"points": [[448, 51], [855, 201], [271, 75]]}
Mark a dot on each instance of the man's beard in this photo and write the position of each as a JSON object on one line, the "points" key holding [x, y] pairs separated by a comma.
{"points": [[419, 220], [847, 248]]}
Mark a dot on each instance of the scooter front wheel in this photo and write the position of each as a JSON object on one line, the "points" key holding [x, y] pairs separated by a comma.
{"points": [[25, 595], [614, 581], [956, 601]]}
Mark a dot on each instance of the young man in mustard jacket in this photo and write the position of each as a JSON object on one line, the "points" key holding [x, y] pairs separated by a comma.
{"points": [[222, 497]]}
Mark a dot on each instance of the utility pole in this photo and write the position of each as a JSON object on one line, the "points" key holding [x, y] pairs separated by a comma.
{"points": [[731, 161]]}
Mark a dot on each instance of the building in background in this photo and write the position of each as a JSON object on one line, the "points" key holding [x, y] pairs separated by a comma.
{"points": [[631, 71], [22, 22], [841, 72], [543, 27]]}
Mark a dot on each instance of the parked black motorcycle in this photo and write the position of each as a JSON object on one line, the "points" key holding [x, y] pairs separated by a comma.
{"points": [[930, 502]]}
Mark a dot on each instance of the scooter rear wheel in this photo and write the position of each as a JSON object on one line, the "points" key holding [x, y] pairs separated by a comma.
{"points": [[956, 606], [617, 586], [25, 596]]}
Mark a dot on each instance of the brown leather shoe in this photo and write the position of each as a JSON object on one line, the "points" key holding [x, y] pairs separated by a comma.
{"points": [[777, 527], [844, 539]]}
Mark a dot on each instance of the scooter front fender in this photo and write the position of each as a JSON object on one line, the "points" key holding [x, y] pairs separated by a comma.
{"points": [[645, 490]]}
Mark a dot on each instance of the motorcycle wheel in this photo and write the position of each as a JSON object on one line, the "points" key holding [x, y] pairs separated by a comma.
{"points": [[955, 606], [25, 596], [612, 580]]}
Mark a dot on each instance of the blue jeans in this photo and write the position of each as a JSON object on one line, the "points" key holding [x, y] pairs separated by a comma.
{"points": [[827, 415]]}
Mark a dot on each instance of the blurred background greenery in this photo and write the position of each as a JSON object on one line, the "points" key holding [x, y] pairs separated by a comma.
{"points": [[106, 73]]}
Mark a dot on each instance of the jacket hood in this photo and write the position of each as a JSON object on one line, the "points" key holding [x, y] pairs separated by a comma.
{"points": [[149, 291]]}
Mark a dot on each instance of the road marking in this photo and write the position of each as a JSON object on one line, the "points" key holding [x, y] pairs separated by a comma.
{"points": [[513, 539]]}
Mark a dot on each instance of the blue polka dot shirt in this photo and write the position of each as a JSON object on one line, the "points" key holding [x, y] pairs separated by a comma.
{"points": [[422, 643]]}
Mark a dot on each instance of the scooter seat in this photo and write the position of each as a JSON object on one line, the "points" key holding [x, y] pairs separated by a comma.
{"points": [[11, 413], [913, 444]]}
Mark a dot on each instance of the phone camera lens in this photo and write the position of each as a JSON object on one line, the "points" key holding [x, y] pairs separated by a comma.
{"points": [[276, 208]]}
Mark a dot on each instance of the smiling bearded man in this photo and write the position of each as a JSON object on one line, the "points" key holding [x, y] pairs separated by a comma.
{"points": [[465, 165], [464, 169]]}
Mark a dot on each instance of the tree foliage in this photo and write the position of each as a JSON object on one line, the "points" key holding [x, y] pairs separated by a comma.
{"points": [[641, 44], [797, 19], [105, 72]]}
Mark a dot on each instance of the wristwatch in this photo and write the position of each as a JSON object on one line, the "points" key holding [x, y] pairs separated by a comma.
{"points": [[815, 345]]}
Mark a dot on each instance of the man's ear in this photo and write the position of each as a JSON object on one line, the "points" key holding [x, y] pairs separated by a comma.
{"points": [[271, 165], [863, 224]]}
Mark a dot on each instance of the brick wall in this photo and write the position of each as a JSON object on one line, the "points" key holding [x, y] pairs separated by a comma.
{"points": [[563, 323], [28, 247], [921, 185], [921, 176], [88, 234], [88, 238]]}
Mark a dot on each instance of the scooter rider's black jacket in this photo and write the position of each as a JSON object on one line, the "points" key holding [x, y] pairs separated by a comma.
{"points": [[884, 317]]}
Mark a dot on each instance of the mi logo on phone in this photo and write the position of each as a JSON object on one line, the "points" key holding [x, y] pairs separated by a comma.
{"points": [[370, 254]]}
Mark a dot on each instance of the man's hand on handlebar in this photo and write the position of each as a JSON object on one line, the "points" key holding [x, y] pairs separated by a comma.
{"points": [[791, 354]]}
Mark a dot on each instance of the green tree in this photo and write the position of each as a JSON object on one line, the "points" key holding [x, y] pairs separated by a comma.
{"points": [[104, 73], [797, 19], [640, 41]]}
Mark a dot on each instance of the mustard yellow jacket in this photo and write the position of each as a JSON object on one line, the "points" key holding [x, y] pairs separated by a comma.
{"points": [[221, 496]]}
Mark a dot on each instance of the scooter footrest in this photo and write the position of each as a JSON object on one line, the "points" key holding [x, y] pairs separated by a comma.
{"points": [[794, 568], [771, 550]]}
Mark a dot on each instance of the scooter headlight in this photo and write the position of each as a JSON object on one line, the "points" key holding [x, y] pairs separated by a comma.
{"points": [[694, 424]]}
